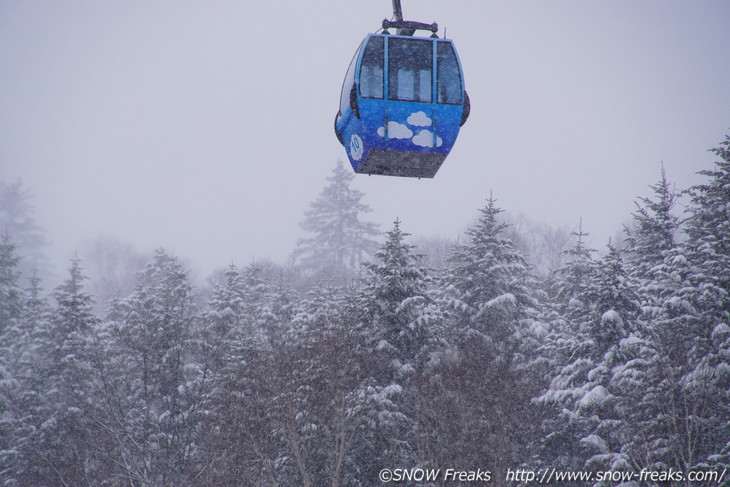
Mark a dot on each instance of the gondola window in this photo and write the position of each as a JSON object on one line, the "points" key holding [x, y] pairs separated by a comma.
{"points": [[410, 70]]}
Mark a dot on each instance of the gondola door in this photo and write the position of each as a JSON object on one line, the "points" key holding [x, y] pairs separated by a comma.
{"points": [[449, 109], [371, 101], [410, 86]]}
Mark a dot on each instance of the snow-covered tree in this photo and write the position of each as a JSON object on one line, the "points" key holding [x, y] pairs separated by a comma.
{"points": [[22, 368], [152, 379], [16, 221], [397, 304], [341, 240], [708, 231], [399, 310], [298, 401], [487, 281], [11, 293], [654, 228], [486, 386], [688, 375], [564, 307], [326, 389], [240, 401], [11, 309], [224, 317], [574, 274], [597, 342], [61, 442], [563, 314]]}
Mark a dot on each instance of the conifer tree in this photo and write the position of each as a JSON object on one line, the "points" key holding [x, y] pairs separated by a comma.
{"points": [[341, 240], [640, 391], [708, 231], [488, 279], [689, 374], [575, 274], [22, 381], [328, 397], [34, 309], [565, 308], [153, 379], [672, 409], [614, 305], [224, 315], [16, 221], [398, 305], [65, 441], [599, 341], [564, 313], [486, 384], [11, 294], [239, 406], [11, 310], [299, 402], [404, 320], [260, 321], [655, 228]]}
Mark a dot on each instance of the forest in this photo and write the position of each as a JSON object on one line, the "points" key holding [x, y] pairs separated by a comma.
{"points": [[367, 352]]}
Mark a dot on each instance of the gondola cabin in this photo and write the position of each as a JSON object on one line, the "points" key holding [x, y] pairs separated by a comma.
{"points": [[402, 104]]}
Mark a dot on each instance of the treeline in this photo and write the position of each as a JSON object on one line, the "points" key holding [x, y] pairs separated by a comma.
{"points": [[613, 363]]}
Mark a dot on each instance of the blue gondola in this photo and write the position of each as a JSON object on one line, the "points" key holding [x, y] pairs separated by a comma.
{"points": [[403, 102]]}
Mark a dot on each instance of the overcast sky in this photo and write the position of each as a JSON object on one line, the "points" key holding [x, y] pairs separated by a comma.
{"points": [[205, 127]]}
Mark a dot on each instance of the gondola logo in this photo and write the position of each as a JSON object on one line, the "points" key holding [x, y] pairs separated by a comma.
{"points": [[356, 147]]}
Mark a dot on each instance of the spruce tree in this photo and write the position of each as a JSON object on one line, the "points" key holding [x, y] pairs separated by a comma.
{"points": [[23, 381], [399, 309], [588, 428], [574, 275], [153, 379], [300, 402], [695, 309], [655, 227], [324, 375], [11, 294], [708, 232], [224, 315], [239, 405], [11, 311], [65, 440], [564, 313], [398, 305], [484, 372]]}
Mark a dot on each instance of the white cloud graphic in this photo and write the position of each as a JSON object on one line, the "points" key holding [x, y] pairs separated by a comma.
{"points": [[419, 119], [425, 139], [396, 131]]}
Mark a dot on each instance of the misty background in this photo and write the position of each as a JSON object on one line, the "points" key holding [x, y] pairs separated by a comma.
{"points": [[181, 154], [206, 128]]}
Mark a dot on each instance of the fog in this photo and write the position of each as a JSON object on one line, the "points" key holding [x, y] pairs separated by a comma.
{"points": [[206, 127]]}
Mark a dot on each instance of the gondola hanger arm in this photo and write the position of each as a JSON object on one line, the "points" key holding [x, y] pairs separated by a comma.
{"points": [[397, 11], [406, 27]]}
